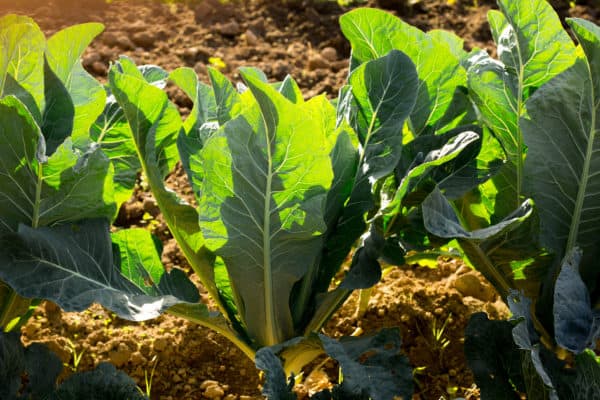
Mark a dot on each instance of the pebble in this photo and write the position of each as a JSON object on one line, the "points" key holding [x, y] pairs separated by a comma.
{"points": [[251, 38], [469, 284], [160, 344], [329, 54], [120, 356], [231, 28], [99, 68], [144, 39], [213, 391], [124, 43], [316, 61]]}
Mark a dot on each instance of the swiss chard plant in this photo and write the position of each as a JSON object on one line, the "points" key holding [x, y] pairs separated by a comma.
{"points": [[540, 100], [286, 189], [60, 177]]}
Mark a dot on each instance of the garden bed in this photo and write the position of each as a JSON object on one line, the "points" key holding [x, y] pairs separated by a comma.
{"points": [[430, 305]]}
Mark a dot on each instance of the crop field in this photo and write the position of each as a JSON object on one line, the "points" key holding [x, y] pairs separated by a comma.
{"points": [[299, 199]]}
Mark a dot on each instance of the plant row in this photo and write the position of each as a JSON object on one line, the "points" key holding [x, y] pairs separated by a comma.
{"points": [[427, 146]]}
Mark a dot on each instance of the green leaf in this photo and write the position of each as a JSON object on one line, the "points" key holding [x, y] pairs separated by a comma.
{"points": [[72, 265], [276, 385], [433, 159], [155, 125], [197, 127], [85, 95], [111, 131], [572, 311], [289, 88], [373, 33], [372, 366], [228, 100], [507, 253], [533, 47], [493, 357], [40, 191], [384, 92], [563, 158], [205, 106], [140, 263], [267, 173], [22, 46], [531, 41], [104, 382], [21, 144]]}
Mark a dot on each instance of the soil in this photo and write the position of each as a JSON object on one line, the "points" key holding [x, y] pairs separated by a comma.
{"points": [[175, 359]]}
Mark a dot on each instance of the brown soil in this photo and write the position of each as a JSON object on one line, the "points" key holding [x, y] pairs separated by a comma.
{"points": [[301, 38]]}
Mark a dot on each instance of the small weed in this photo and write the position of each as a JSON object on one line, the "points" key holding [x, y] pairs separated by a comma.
{"points": [[76, 357], [148, 379]]}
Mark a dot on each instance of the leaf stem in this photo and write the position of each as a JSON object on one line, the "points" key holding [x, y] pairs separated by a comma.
{"points": [[35, 218], [221, 328]]}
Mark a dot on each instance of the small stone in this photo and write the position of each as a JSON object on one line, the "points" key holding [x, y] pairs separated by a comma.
{"points": [[251, 38], [469, 284], [176, 378], [231, 28], [317, 62], [124, 43], [120, 356], [208, 383], [214, 392], [99, 68], [329, 53], [91, 58], [144, 39], [160, 344], [110, 39], [138, 358], [150, 206], [230, 397]]}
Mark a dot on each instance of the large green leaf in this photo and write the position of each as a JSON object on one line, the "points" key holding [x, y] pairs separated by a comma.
{"points": [[564, 154], [70, 90], [155, 124], [140, 263], [266, 176], [72, 265], [22, 46], [40, 191], [506, 253], [373, 33], [532, 47], [201, 123], [384, 92], [112, 132]]}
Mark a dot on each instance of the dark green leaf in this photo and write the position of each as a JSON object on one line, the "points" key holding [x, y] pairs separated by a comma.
{"points": [[573, 318], [372, 366], [72, 265], [105, 382], [493, 357]]}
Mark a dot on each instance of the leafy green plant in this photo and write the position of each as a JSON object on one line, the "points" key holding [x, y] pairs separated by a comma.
{"points": [[540, 101], [285, 189], [61, 175]]}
